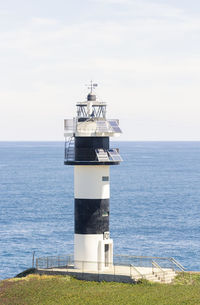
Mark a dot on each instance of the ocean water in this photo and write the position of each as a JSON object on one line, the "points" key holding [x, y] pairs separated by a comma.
{"points": [[155, 202]]}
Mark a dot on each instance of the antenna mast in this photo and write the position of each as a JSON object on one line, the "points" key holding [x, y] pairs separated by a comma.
{"points": [[92, 86]]}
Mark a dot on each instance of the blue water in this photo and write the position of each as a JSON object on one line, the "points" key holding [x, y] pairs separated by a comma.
{"points": [[155, 202]]}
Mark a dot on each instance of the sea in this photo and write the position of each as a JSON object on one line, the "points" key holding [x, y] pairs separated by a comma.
{"points": [[154, 205]]}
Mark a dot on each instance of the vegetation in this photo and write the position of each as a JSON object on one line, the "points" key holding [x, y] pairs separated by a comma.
{"points": [[63, 290]]}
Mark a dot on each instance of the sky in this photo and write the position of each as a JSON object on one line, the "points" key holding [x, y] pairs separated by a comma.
{"points": [[144, 55]]}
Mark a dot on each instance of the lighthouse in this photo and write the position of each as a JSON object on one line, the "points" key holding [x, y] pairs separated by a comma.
{"points": [[87, 148]]}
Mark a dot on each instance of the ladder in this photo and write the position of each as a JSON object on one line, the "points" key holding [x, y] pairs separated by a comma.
{"points": [[69, 149]]}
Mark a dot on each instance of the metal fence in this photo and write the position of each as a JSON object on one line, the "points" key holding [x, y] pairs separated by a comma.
{"points": [[124, 268], [54, 261], [90, 271], [147, 261], [67, 261]]}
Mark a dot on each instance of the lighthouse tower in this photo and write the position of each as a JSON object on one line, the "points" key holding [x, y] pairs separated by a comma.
{"points": [[87, 147]]}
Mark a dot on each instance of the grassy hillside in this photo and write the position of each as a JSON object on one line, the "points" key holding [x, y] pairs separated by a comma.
{"points": [[63, 290]]}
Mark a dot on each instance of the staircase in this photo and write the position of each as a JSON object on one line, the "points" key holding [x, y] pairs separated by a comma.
{"points": [[167, 277], [69, 149], [156, 273]]}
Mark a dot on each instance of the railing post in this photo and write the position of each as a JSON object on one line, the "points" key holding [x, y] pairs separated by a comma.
{"points": [[164, 275], [66, 263], [33, 259], [98, 264], [82, 269]]}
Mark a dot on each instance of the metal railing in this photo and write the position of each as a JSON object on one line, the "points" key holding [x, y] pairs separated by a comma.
{"points": [[124, 268], [138, 274], [177, 264], [54, 261], [158, 271], [146, 261], [88, 270]]}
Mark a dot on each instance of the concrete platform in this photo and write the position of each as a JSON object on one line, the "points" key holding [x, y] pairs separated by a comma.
{"points": [[116, 273]]}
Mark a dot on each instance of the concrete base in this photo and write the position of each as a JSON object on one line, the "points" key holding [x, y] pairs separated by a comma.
{"points": [[124, 274]]}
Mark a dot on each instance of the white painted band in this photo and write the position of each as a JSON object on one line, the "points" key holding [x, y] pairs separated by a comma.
{"points": [[89, 251], [89, 182]]}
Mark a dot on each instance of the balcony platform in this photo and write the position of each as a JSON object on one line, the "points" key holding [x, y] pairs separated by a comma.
{"points": [[73, 162]]}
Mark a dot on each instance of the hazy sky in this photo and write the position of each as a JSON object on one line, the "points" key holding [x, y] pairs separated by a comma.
{"points": [[145, 56]]}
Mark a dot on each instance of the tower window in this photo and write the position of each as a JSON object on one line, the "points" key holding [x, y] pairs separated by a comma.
{"points": [[105, 178]]}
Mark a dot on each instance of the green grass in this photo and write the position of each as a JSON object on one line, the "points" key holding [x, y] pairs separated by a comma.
{"points": [[63, 290]]}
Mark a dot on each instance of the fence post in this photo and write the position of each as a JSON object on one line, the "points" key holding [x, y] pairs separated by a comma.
{"points": [[47, 263], [82, 269], [66, 264], [98, 271], [33, 259]]}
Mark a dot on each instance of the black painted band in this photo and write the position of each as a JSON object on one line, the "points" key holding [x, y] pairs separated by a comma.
{"points": [[91, 216], [85, 147]]}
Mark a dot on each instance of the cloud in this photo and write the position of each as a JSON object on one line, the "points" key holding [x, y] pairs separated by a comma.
{"points": [[139, 22], [136, 49], [42, 37], [149, 51], [153, 67], [143, 8], [112, 1], [4, 12], [44, 21]]}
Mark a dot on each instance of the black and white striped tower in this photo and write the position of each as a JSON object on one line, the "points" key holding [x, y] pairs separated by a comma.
{"points": [[87, 148]]}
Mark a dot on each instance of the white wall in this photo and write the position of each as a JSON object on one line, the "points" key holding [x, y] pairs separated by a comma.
{"points": [[88, 182], [89, 251], [86, 249]]}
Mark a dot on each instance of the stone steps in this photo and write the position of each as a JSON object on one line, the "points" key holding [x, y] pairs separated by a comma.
{"points": [[158, 277]]}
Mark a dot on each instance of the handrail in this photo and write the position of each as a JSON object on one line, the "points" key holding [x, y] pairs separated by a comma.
{"points": [[177, 264], [160, 268], [171, 260], [140, 274], [138, 256]]}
